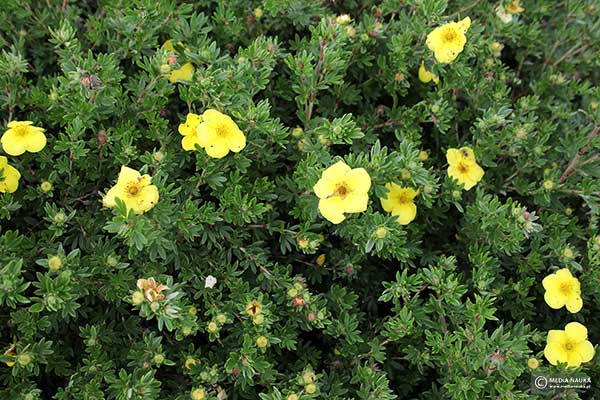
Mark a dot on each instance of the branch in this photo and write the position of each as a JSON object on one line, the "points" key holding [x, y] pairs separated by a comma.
{"points": [[571, 168]]}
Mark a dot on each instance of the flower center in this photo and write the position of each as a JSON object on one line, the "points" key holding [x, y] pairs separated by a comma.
{"points": [[565, 287], [133, 189], [342, 191], [462, 168], [450, 35], [403, 199], [569, 346], [222, 131], [21, 130]]}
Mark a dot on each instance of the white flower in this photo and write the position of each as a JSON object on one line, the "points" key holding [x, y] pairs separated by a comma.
{"points": [[504, 16], [210, 281]]}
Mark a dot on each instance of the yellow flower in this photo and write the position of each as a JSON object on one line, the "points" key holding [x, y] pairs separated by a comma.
{"points": [[185, 72], [533, 363], [427, 76], [399, 201], [342, 190], [189, 362], [21, 136], [134, 190], [151, 289], [423, 155], [11, 353], [9, 177], [321, 260], [254, 308], [514, 7], [188, 130], [569, 346], [463, 167], [308, 377], [218, 134], [448, 40], [563, 289]]}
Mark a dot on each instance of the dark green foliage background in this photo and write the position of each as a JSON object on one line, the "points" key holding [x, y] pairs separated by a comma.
{"points": [[450, 306]]}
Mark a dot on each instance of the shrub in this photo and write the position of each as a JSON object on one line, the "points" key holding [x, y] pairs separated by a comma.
{"points": [[200, 214]]}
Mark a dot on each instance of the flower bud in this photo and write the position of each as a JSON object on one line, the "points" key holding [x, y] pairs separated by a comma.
{"points": [[212, 327], [198, 394], [310, 388], [137, 298], [24, 359], [46, 186], [381, 232], [158, 359], [262, 342], [54, 263]]}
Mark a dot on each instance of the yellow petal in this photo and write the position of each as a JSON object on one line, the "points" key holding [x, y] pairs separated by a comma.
{"points": [[464, 24], [324, 188], [35, 140], [556, 336], [148, 199], [585, 350], [573, 359], [555, 353], [10, 183], [236, 141], [12, 143], [336, 172], [206, 134], [191, 123], [564, 273], [355, 202], [387, 203], [358, 180], [551, 282], [555, 299], [217, 149], [212, 115], [182, 74], [168, 45], [424, 75], [109, 198], [574, 303], [331, 209], [576, 332], [127, 174], [14, 124], [406, 212], [475, 173], [189, 142], [453, 156]]}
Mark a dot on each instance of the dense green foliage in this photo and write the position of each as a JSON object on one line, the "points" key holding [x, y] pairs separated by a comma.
{"points": [[450, 306]]}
